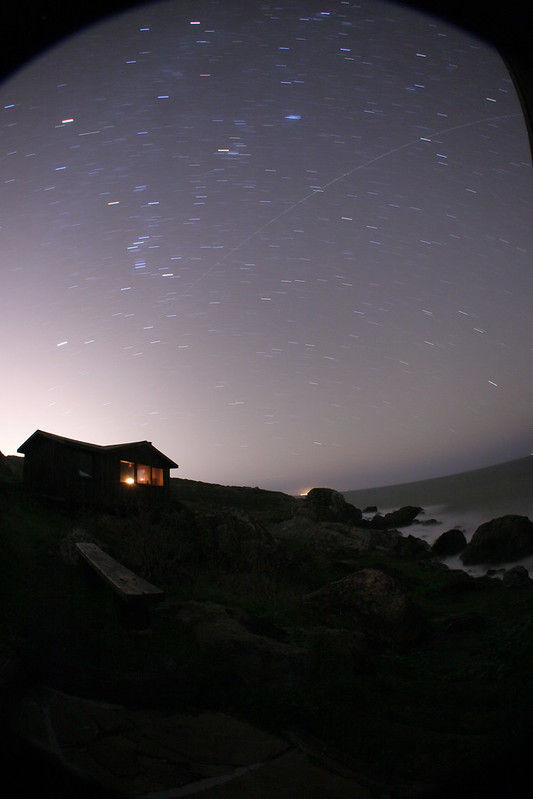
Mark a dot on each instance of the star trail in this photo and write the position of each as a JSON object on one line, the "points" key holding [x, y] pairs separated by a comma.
{"points": [[289, 243]]}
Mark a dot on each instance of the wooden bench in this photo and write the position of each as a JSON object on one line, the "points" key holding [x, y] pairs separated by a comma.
{"points": [[136, 594]]}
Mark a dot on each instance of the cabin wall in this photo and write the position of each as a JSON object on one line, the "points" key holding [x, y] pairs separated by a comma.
{"points": [[48, 469], [62, 472], [84, 476]]}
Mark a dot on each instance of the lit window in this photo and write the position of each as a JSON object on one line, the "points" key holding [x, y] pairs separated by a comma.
{"points": [[157, 476], [144, 474], [127, 472]]}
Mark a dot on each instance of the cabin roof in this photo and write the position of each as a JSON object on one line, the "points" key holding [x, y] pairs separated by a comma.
{"points": [[72, 442]]}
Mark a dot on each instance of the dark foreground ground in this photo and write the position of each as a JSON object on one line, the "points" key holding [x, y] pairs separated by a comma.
{"points": [[248, 682]]}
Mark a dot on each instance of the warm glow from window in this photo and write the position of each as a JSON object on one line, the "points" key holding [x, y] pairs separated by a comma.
{"points": [[157, 476], [127, 472], [141, 473], [144, 474]]}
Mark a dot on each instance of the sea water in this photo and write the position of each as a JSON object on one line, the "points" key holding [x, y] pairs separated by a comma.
{"points": [[466, 520]]}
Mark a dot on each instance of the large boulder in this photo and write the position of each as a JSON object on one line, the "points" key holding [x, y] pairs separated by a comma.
{"points": [[500, 541], [410, 548], [231, 540], [517, 577], [466, 622], [327, 505], [449, 543], [378, 603], [228, 637], [304, 550], [336, 651], [402, 517]]}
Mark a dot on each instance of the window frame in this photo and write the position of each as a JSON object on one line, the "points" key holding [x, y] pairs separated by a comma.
{"points": [[130, 476], [161, 474]]}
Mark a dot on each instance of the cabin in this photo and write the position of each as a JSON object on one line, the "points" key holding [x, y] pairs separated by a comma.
{"points": [[80, 473]]}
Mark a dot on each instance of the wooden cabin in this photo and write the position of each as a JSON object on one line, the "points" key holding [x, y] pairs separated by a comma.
{"points": [[91, 474]]}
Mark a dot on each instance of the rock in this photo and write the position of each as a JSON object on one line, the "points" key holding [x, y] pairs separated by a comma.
{"points": [[300, 541], [410, 547], [325, 504], [467, 622], [458, 582], [336, 650], [243, 655], [231, 539], [378, 603], [383, 539], [517, 577], [371, 509], [207, 740], [117, 755], [134, 752], [449, 543], [397, 518], [500, 540], [301, 546], [485, 581]]}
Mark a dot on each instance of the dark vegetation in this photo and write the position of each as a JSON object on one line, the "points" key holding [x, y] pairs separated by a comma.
{"points": [[242, 566]]}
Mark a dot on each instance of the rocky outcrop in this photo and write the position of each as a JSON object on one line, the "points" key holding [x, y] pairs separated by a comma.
{"points": [[327, 505], [304, 538], [397, 518], [231, 540], [334, 650], [329, 536], [377, 601], [461, 623], [81, 747], [500, 540], [449, 543], [225, 634], [410, 548], [517, 577]]}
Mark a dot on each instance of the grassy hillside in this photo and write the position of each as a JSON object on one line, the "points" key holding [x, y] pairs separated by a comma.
{"points": [[268, 506]]}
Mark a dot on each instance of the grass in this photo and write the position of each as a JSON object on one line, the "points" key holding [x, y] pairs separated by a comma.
{"points": [[263, 506]]}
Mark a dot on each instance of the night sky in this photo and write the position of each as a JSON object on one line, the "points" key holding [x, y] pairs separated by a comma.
{"points": [[288, 243]]}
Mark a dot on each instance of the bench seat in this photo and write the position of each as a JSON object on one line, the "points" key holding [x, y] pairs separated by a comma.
{"points": [[128, 585]]}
